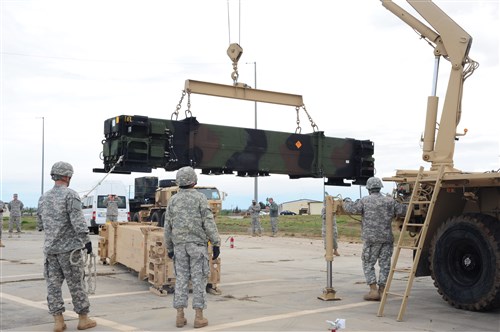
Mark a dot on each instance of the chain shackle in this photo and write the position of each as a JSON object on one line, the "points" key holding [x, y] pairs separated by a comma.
{"points": [[234, 74]]}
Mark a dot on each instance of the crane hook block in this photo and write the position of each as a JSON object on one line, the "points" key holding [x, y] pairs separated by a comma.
{"points": [[234, 52]]}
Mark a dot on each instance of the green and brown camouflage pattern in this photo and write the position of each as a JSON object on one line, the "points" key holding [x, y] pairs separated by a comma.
{"points": [[146, 143]]}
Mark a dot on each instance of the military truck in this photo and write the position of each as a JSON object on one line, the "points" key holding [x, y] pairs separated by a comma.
{"points": [[151, 198], [454, 215]]}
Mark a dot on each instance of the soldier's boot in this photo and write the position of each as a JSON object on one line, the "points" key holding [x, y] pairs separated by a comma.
{"points": [[84, 322], [199, 320], [1, 244], [59, 324], [335, 252], [373, 295], [180, 320], [381, 289]]}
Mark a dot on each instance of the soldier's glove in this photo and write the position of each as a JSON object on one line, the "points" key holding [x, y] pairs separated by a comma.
{"points": [[216, 252], [171, 254], [88, 247]]}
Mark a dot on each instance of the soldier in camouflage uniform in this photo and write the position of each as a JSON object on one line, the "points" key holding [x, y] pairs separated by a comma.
{"points": [[60, 215], [189, 225], [254, 211], [16, 210], [377, 213], [111, 202], [273, 215], [2, 207]]}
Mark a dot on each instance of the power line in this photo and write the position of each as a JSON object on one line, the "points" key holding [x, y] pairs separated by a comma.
{"points": [[104, 60]]}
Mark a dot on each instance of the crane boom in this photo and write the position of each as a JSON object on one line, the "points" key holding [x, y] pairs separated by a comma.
{"points": [[453, 43]]}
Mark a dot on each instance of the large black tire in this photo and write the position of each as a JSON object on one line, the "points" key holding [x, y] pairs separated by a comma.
{"points": [[161, 223], [155, 217], [136, 217], [465, 262]]}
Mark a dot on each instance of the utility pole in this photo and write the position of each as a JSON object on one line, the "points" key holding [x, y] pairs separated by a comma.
{"points": [[43, 150], [256, 179]]}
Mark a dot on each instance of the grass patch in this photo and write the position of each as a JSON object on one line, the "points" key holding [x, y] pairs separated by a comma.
{"points": [[28, 223], [308, 226], [294, 226]]}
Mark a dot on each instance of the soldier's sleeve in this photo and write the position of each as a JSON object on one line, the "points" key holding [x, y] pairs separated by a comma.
{"points": [[76, 217], [208, 222], [400, 208], [353, 207], [39, 221], [167, 229]]}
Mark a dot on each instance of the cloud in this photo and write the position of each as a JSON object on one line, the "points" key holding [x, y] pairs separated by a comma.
{"points": [[362, 73]]}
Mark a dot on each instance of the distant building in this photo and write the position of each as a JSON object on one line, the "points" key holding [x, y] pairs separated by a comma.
{"points": [[302, 206], [315, 207]]}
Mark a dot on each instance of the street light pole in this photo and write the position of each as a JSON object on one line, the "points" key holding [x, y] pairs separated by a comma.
{"points": [[256, 179], [43, 149]]}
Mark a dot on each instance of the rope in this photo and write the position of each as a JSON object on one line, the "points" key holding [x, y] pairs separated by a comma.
{"points": [[86, 261], [99, 183], [229, 21]]}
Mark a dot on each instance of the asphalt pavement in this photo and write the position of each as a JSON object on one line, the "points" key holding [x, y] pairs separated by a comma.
{"points": [[267, 283]]}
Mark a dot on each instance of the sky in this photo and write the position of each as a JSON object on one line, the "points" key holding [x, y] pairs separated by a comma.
{"points": [[66, 66]]}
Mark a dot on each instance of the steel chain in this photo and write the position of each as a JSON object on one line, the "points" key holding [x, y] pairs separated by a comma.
{"points": [[178, 107], [298, 130], [313, 125], [188, 111]]}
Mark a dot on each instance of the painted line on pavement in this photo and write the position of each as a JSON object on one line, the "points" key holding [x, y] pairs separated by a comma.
{"points": [[249, 282], [103, 296], [282, 316], [100, 321]]}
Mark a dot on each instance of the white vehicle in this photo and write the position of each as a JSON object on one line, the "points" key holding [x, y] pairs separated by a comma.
{"points": [[94, 209]]}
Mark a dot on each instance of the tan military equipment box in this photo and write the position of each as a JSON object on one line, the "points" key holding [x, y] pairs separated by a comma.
{"points": [[141, 248]]}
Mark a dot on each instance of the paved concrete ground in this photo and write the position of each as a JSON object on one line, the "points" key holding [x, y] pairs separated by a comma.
{"points": [[268, 284]]}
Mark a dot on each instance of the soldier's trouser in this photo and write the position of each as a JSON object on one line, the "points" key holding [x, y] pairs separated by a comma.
{"points": [[274, 224], [1, 224], [14, 220], [256, 227], [373, 252], [190, 262], [111, 218], [335, 233], [57, 269]]}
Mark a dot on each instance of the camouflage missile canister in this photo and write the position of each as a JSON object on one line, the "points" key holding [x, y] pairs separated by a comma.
{"points": [[146, 143]]}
